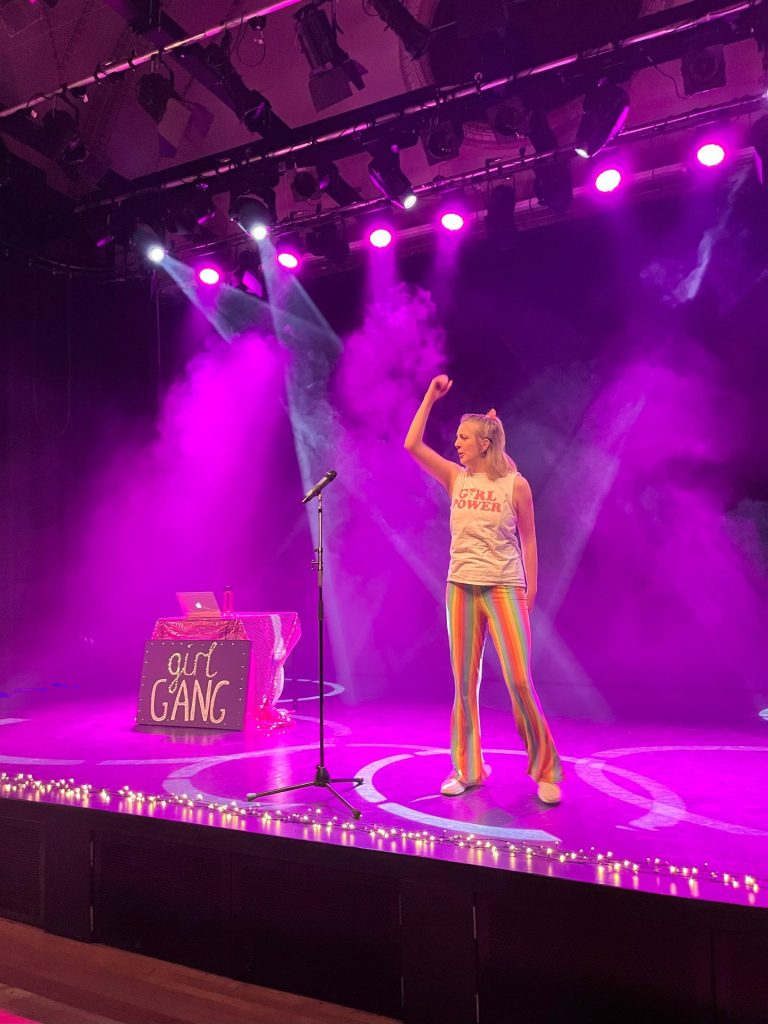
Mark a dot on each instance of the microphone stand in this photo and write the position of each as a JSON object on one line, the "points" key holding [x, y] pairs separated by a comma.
{"points": [[322, 777]]}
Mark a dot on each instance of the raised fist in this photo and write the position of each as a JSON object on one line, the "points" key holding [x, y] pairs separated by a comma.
{"points": [[440, 386]]}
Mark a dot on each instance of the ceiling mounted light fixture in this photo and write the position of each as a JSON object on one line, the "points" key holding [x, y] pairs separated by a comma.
{"points": [[332, 184], [252, 215], [251, 106], [606, 107], [248, 276], [255, 209], [332, 71], [703, 68], [192, 209], [304, 186], [412, 34], [153, 91], [62, 132], [442, 139], [385, 173], [329, 242]]}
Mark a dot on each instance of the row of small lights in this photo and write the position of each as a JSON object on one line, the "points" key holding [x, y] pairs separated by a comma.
{"points": [[26, 786], [709, 155]]}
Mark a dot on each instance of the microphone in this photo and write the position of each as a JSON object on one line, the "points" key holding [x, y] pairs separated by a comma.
{"points": [[314, 491]]}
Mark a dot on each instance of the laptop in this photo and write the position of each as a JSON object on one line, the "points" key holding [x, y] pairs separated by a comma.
{"points": [[199, 604]]}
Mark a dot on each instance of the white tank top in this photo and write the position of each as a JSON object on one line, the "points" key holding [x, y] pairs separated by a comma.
{"points": [[485, 547]]}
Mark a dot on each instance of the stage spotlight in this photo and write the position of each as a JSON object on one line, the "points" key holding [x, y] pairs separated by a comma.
{"points": [[703, 68], [608, 180], [209, 275], [412, 34], [305, 187], [153, 93], [251, 106], [442, 140], [452, 212], [605, 110], [509, 120], [331, 183], [331, 69], [63, 136], [553, 187], [288, 260], [500, 218], [328, 242], [710, 154], [326, 180], [384, 171], [758, 136], [192, 210], [248, 276], [380, 238], [253, 215], [155, 252], [452, 221], [288, 251]]}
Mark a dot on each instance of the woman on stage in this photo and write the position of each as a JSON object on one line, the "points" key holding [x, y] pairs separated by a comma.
{"points": [[491, 586]]}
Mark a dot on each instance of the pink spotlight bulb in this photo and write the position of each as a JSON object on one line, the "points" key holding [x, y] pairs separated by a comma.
{"points": [[608, 180], [287, 259], [452, 221], [209, 275], [380, 238], [710, 154]]}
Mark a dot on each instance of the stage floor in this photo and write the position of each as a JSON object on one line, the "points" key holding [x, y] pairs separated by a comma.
{"points": [[667, 809]]}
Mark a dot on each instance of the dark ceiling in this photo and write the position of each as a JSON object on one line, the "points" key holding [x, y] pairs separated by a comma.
{"points": [[48, 43]]}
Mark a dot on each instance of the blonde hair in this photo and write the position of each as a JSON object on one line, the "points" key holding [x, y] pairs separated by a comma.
{"points": [[491, 429]]}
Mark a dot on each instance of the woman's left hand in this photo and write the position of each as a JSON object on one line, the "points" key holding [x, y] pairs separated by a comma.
{"points": [[530, 597]]}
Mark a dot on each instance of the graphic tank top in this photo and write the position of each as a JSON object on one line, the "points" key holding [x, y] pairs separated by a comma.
{"points": [[485, 547]]}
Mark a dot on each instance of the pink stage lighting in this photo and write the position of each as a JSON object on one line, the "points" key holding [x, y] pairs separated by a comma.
{"points": [[208, 275], [380, 238], [608, 180], [452, 221], [710, 154], [288, 259]]}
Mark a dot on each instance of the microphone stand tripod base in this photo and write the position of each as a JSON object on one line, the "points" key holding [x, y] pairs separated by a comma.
{"points": [[322, 780]]}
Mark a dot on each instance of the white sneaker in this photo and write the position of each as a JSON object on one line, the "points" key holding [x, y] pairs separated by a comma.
{"points": [[549, 793], [453, 786]]}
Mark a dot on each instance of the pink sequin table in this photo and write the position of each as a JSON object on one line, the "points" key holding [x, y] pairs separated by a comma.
{"points": [[272, 636]]}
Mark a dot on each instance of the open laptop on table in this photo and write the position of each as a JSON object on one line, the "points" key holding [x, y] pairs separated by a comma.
{"points": [[200, 604]]}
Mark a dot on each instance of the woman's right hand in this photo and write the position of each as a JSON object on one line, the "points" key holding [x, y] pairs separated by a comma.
{"points": [[439, 387]]}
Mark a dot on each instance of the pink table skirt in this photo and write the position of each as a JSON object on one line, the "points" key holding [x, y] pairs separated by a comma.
{"points": [[273, 636]]}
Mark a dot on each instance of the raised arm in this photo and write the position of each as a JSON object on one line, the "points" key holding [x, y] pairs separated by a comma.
{"points": [[527, 528], [441, 469]]}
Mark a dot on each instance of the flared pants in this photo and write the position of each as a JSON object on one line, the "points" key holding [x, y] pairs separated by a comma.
{"points": [[472, 612]]}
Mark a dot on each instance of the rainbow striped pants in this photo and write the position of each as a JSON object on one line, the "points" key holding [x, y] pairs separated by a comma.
{"points": [[472, 612]]}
